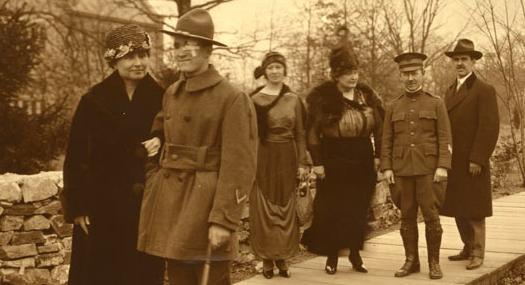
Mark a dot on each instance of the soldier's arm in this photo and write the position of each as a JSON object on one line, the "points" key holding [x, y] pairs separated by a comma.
{"points": [[157, 127], [238, 163], [387, 140]]}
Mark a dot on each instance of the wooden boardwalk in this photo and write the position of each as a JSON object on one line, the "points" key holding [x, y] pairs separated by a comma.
{"points": [[383, 255]]}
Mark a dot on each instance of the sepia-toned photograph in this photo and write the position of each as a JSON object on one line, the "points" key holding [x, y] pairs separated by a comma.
{"points": [[249, 142]]}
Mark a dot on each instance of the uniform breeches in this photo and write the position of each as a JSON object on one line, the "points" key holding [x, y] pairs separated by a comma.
{"points": [[411, 192]]}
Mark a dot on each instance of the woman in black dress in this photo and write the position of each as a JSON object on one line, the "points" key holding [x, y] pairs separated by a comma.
{"points": [[343, 114]]}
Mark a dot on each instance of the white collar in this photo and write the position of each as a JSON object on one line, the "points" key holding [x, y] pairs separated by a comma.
{"points": [[415, 91], [463, 79]]}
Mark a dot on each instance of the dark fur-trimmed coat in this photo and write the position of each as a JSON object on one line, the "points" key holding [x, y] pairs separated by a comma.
{"points": [[104, 172]]}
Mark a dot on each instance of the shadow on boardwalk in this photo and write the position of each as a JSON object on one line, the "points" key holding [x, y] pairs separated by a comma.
{"points": [[384, 254]]}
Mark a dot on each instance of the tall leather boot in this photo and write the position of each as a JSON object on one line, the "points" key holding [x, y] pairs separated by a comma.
{"points": [[409, 235], [433, 233]]}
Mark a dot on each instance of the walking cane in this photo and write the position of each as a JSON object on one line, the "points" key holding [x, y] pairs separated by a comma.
{"points": [[207, 262]]}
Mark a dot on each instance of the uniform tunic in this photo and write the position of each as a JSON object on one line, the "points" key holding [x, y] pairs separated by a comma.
{"points": [[416, 141], [206, 169], [274, 227], [341, 143]]}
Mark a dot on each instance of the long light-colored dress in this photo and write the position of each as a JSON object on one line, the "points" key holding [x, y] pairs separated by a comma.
{"points": [[274, 227]]}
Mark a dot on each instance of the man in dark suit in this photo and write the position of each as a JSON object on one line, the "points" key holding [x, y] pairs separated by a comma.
{"points": [[473, 111], [415, 157]]}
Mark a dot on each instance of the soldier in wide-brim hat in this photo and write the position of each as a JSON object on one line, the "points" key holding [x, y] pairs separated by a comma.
{"points": [[473, 111], [195, 195], [415, 157]]}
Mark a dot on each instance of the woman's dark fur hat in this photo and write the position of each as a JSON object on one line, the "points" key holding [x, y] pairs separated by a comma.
{"points": [[343, 57]]}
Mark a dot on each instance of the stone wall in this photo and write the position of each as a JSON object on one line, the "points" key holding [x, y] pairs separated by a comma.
{"points": [[35, 241], [382, 212]]}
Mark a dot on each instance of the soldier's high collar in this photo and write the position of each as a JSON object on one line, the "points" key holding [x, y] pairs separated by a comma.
{"points": [[203, 80], [414, 93]]}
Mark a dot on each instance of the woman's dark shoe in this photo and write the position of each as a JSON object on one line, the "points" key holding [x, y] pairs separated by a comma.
{"points": [[331, 265], [357, 263], [268, 274], [285, 273]]}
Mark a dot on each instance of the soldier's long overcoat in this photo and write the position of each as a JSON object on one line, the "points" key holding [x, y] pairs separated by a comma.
{"points": [[474, 120], [206, 169]]}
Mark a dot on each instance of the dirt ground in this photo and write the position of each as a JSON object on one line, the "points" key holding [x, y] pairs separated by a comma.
{"points": [[516, 276], [244, 271]]}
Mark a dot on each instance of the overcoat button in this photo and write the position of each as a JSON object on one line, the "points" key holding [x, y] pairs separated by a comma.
{"points": [[412, 133], [180, 178], [187, 118], [168, 117], [411, 122], [174, 156], [412, 145], [166, 174]]}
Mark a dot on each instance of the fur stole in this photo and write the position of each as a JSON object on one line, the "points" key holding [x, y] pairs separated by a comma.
{"points": [[325, 102]]}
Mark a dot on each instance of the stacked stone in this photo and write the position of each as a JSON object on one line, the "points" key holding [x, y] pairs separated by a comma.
{"points": [[243, 233], [35, 241], [382, 212]]}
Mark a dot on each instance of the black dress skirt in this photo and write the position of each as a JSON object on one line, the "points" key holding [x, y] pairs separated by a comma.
{"points": [[343, 196]]}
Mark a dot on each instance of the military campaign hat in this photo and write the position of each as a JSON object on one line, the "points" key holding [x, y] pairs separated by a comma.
{"points": [[197, 24], [410, 61]]}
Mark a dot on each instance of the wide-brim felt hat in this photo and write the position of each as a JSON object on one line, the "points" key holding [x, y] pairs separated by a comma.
{"points": [[196, 24], [464, 46]]}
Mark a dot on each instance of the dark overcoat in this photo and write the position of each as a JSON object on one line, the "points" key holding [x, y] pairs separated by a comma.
{"points": [[103, 176], [474, 120]]}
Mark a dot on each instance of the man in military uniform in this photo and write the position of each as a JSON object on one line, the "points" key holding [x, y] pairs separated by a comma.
{"points": [[195, 196], [415, 156]]}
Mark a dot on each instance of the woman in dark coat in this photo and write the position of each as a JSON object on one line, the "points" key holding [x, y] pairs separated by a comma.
{"points": [[274, 227], [104, 167], [342, 115]]}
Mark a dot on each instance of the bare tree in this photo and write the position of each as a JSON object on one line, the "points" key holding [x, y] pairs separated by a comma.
{"points": [[504, 65]]}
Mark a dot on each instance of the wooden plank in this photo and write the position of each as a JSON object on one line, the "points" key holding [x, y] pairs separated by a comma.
{"points": [[383, 255], [387, 268], [492, 245]]}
